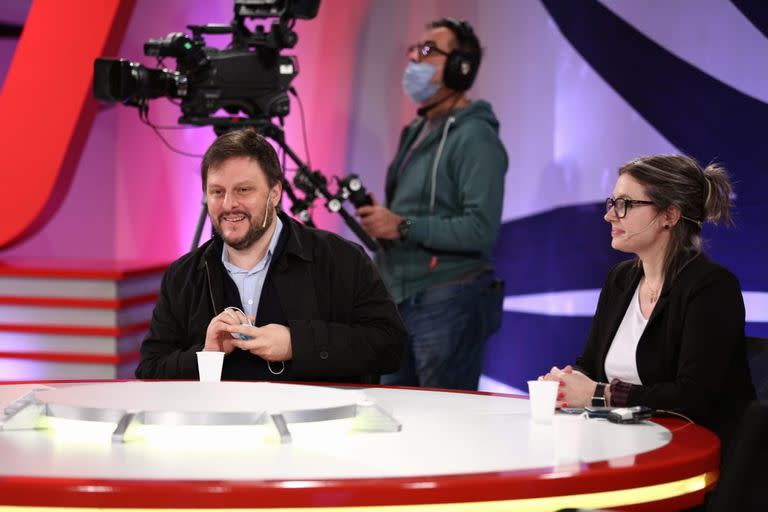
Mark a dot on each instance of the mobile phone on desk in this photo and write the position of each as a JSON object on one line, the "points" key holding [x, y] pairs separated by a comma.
{"points": [[571, 410], [598, 412], [635, 414]]}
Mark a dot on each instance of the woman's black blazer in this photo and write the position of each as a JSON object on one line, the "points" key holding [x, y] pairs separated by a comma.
{"points": [[691, 357]]}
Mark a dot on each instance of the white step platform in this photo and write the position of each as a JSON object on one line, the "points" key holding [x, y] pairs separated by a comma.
{"points": [[81, 319]]}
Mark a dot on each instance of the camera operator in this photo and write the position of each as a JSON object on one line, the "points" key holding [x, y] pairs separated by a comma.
{"points": [[444, 194], [319, 308]]}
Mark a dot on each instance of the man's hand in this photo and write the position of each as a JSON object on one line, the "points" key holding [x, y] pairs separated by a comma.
{"points": [[378, 221], [271, 342], [218, 337]]}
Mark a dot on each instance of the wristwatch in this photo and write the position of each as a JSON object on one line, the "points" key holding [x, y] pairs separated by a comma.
{"points": [[404, 227], [598, 400]]}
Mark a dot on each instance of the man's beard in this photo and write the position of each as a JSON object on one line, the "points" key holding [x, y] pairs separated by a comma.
{"points": [[255, 230]]}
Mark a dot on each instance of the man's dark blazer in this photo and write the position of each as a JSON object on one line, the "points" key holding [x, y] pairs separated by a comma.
{"points": [[344, 325], [691, 357]]}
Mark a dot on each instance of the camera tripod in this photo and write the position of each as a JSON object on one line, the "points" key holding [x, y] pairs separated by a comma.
{"points": [[312, 183]]}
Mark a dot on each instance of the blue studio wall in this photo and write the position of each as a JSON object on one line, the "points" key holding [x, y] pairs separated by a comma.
{"points": [[555, 262]]}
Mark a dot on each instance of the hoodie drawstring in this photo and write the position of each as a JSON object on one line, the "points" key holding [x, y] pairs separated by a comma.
{"points": [[436, 161]]}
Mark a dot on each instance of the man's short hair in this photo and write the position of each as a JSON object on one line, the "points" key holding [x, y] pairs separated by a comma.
{"points": [[238, 143], [466, 39]]}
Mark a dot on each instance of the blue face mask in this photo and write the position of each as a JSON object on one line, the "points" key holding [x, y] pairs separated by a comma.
{"points": [[417, 81]]}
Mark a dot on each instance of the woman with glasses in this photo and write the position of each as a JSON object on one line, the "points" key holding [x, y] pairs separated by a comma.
{"points": [[668, 332]]}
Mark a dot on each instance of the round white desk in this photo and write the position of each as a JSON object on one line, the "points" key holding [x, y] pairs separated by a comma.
{"points": [[206, 446]]}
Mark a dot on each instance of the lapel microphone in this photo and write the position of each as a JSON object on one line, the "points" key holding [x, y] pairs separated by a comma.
{"points": [[266, 210]]}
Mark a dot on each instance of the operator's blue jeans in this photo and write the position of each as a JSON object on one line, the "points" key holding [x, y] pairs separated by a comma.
{"points": [[448, 326]]}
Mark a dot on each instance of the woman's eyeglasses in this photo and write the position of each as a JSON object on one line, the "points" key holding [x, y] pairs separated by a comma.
{"points": [[621, 206], [424, 50]]}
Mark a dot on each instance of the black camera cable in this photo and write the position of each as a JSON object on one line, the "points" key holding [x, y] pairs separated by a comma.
{"points": [[144, 118]]}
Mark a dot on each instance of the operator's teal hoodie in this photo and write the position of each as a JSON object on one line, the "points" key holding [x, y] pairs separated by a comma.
{"points": [[451, 188]]}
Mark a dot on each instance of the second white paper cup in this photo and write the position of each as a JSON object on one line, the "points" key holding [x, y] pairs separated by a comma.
{"points": [[209, 366], [543, 398]]}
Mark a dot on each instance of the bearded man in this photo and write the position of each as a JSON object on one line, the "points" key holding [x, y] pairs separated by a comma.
{"points": [[281, 300]]}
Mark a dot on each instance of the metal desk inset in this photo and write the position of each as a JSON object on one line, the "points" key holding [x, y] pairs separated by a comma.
{"points": [[128, 404]]}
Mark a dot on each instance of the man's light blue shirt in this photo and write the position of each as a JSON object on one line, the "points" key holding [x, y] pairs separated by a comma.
{"points": [[250, 282]]}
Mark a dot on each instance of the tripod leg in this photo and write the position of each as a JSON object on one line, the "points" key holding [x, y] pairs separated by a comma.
{"points": [[200, 224]]}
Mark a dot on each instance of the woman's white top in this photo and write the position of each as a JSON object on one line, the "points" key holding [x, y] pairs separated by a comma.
{"points": [[621, 361]]}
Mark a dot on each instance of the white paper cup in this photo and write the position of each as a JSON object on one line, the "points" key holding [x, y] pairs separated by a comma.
{"points": [[543, 398], [209, 366]]}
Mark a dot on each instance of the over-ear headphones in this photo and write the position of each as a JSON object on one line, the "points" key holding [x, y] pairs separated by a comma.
{"points": [[461, 65]]}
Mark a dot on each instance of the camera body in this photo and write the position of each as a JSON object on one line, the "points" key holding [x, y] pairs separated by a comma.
{"points": [[250, 77]]}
